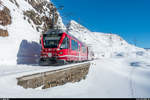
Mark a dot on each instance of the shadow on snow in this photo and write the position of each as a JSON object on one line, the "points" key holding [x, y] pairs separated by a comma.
{"points": [[29, 53]]}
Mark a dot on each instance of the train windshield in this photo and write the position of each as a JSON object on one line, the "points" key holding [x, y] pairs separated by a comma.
{"points": [[51, 40]]}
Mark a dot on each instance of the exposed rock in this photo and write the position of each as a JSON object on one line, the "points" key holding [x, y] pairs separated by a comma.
{"points": [[42, 7], [5, 18], [14, 2], [56, 17], [47, 23], [34, 17], [38, 5], [50, 6], [3, 33]]}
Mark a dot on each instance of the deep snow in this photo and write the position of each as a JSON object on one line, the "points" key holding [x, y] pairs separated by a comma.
{"points": [[23, 40], [121, 69], [107, 78]]}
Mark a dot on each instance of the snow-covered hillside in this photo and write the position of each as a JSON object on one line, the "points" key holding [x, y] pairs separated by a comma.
{"points": [[103, 44], [147, 49], [28, 19], [120, 70]]}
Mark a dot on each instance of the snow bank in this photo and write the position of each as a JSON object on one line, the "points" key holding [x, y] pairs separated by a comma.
{"points": [[22, 46], [122, 70], [107, 78], [18, 31]]}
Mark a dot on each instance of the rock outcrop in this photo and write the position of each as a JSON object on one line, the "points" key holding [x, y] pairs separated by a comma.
{"points": [[5, 18], [22, 22], [39, 17], [42, 14], [3, 33]]}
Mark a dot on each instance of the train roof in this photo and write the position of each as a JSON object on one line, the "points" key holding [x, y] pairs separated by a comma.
{"points": [[60, 31]]}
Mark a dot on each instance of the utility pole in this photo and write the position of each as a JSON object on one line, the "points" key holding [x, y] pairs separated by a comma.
{"points": [[53, 15]]}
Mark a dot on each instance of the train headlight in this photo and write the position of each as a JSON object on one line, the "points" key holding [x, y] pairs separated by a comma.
{"points": [[60, 52], [49, 54]]}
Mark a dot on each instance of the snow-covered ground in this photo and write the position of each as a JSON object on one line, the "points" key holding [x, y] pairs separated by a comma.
{"points": [[121, 69], [23, 40], [19, 31], [108, 77]]}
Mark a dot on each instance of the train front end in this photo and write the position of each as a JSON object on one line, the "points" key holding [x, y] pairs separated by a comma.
{"points": [[50, 48]]}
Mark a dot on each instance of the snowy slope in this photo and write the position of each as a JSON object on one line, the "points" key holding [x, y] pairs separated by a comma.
{"points": [[103, 44], [23, 39], [121, 70], [107, 78]]}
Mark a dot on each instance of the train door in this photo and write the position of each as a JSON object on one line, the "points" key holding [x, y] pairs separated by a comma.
{"points": [[64, 49]]}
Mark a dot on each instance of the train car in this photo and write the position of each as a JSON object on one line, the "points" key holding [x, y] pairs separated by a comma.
{"points": [[60, 47]]}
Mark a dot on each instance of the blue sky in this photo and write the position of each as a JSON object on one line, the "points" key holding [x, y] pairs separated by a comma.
{"points": [[128, 18]]}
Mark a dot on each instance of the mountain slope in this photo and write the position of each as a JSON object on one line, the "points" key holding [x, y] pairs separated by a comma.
{"points": [[122, 70], [102, 44], [20, 29]]}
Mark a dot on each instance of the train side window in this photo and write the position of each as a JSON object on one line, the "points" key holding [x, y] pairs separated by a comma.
{"points": [[84, 49], [74, 45], [65, 44]]}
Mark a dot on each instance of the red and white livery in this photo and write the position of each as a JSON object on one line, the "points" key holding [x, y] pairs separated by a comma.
{"points": [[59, 47]]}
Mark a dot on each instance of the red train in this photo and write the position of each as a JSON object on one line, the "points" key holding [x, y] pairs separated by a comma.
{"points": [[59, 47]]}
